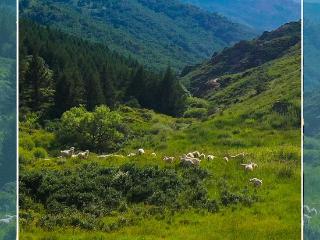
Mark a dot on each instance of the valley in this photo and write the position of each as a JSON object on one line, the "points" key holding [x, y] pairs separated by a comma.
{"points": [[99, 121]]}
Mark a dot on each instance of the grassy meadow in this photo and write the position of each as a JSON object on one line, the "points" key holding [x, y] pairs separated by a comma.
{"points": [[110, 195], [269, 212]]}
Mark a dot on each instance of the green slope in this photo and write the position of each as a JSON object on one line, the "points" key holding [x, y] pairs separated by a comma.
{"points": [[259, 14], [156, 33], [268, 132], [242, 56]]}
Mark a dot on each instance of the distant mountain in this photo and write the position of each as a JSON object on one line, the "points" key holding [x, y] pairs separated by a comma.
{"points": [[259, 14], [156, 33], [241, 57], [311, 46]]}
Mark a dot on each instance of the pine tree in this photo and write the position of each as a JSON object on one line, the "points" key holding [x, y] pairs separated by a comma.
{"points": [[36, 86]]}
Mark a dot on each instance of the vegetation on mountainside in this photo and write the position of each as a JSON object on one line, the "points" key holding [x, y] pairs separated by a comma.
{"points": [[122, 197], [242, 56], [58, 72], [156, 33], [259, 14]]}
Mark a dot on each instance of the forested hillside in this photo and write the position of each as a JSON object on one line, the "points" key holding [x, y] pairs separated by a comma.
{"points": [[118, 192], [259, 14], [156, 33], [58, 71]]}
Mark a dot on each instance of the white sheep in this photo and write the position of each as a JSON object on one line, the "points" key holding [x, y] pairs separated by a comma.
{"points": [[190, 155], [84, 155], [196, 154], [238, 155], [249, 166], [210, 157], [256, 182], [313, 211], [196, 161], [202, 156], [306, 209], [141, 151], [168, 159], [306, 218], [67, 153], [226, 159]]}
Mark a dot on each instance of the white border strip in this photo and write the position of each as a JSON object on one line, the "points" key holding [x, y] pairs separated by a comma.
{"points": [[17, 118], [302, 118]]}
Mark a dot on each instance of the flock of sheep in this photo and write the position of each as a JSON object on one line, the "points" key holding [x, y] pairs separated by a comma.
{"points": [[70, 153], [7, 219], [195, 158], [189, 159], [308, 213]]}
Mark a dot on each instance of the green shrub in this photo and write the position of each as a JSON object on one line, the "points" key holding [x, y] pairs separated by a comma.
{"points": [[25, 156], [199, 113], [39, 153], [26, 142]]}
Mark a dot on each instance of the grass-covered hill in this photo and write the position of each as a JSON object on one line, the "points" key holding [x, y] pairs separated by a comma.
{"points": [[119, 197], [241, 57], [259, 14], [156, 33]]}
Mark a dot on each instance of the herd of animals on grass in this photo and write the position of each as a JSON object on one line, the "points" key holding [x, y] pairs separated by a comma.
{"points": [[190, 159]]}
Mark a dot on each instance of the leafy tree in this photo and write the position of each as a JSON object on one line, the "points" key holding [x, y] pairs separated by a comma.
{"points": [[100, 130]]}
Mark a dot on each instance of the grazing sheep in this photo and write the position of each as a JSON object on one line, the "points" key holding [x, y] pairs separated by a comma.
{"points": [[306, 218], [249, 166], [306, 209], [210, 157], [168, 159], [141, 151], [190, 155], [196, 154], [67, 153], [83, 155], [153, 154], [238, 155], [196, 161], [313, 211], [202, 156], [131, 154], [226, 159], [256, 182]]}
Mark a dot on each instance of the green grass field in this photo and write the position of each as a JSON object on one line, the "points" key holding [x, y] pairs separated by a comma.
{"points": [[65, 198]]}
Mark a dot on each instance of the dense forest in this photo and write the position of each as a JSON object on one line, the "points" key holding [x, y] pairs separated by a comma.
{"points": [[156, 33], [58, 72]]}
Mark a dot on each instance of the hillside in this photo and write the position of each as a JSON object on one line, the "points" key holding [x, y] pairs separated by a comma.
{"points": [[59, 71], [110, 195], [242, 56], [156, 33], [259, 14]]}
